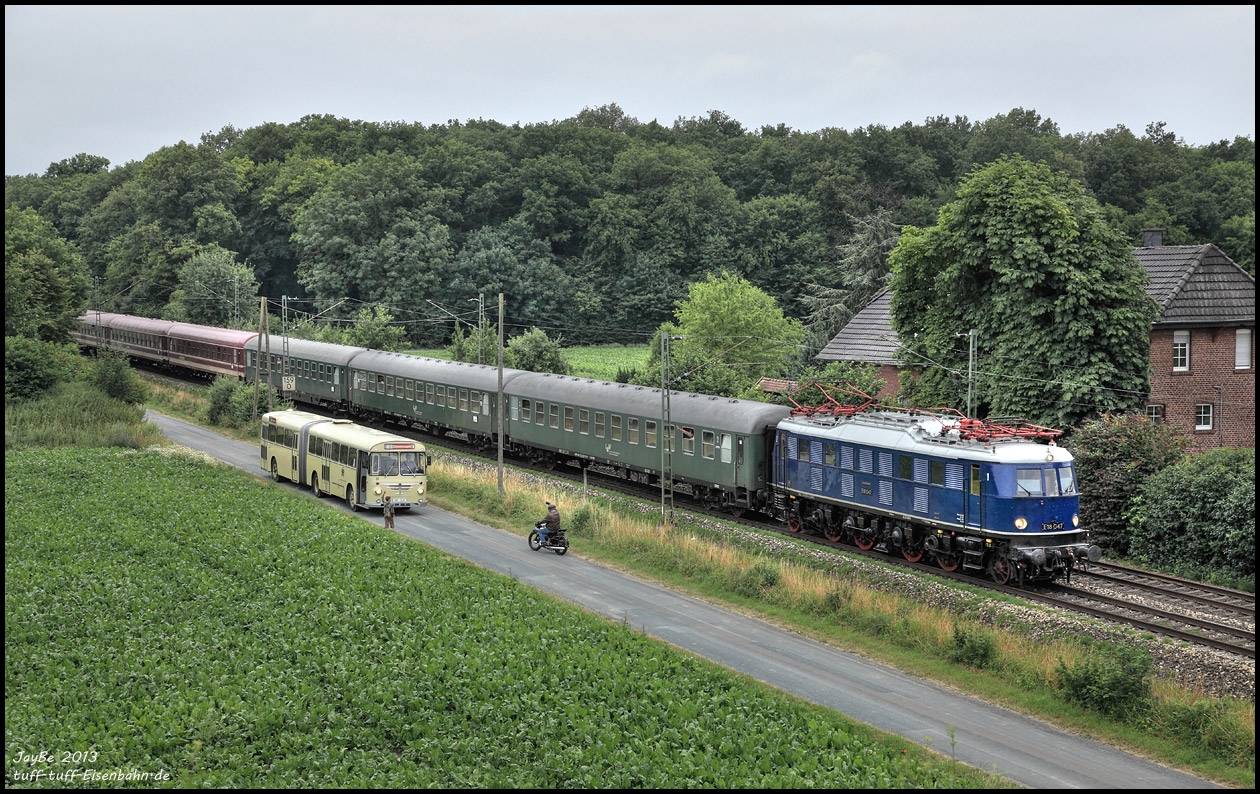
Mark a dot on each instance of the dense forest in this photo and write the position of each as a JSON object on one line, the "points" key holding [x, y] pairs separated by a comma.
{"points": [[593, 227]]}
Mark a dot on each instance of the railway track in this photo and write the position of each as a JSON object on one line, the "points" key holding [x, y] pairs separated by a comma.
{"points": [[1179, 609]]}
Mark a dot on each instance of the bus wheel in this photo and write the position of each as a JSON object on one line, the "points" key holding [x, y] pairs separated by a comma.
{"points": [[354, 508], [315, 485], [275, 470]]}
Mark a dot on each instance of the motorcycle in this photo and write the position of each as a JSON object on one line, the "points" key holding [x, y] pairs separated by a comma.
{"points": [[556, 541]]}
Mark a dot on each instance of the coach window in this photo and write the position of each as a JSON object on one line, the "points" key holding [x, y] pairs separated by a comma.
{"points": [[632, 430], [584, 421], [688, 441], [707, 448], [452, 401], [726, 447], [555, 415], [568, 418], [371, 382], [525, 417], [649, 434], [389, 385], [441, 395], [1203, 416], [428, 393], [411, 390], [667, 438], [463, 400], [599, 424], [1155, 413], [616, 427], [1181, 351], [474, 401]]}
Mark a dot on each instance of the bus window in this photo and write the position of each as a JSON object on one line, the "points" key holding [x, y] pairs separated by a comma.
{"points": [[411, 463], [384, 464]]}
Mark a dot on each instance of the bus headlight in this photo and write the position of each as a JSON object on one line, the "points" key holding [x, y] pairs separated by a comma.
{"points": [[1076, 521], [1021, 523], [377, 490]]}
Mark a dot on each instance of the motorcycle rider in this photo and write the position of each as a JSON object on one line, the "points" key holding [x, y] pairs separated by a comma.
{"points": [[550, 523]]}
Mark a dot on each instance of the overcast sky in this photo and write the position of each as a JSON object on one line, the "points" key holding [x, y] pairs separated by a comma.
{"points": [[124, 81]]}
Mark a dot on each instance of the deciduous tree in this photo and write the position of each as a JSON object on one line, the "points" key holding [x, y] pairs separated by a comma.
{"points": [[1024, 257]]}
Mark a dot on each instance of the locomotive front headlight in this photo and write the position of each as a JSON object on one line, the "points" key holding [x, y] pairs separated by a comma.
{"points": [[1076, 521], [1021, 523]]}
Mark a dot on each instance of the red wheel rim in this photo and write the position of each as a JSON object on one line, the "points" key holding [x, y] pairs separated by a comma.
{"points": [[834, 534], [794, 524], [948, 562], [864, 542], [911, 555], [1000, 571]]}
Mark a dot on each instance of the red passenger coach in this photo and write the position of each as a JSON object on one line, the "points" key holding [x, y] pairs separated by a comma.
{"points": [[139, 337], [211, 351]]}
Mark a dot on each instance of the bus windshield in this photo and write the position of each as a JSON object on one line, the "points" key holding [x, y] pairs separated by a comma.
{"points": [[390, 464]]}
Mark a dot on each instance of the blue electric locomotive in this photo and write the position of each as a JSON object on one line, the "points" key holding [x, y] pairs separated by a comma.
{"points": [[984, 496]]}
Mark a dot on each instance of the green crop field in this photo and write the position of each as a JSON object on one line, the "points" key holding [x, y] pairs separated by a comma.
{"points": [[177, 622]]}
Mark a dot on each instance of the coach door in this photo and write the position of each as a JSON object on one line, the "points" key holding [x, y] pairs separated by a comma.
{"points": [[973, 496]]}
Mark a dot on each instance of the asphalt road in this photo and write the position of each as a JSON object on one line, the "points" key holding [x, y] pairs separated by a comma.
{"points": [[1023, 749]]}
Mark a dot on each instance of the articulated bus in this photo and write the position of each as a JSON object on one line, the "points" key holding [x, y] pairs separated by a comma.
{"points": [[338, 457]]}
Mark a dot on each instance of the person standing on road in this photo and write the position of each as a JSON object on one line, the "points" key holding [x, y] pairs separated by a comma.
{"points": [[389, 512]]}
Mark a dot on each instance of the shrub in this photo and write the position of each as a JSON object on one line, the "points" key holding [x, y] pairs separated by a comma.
{"points": [[32, 367], [756, 580], [1200, 512], [111, 373], [973, 647], [1112, 680], [1115, 454]]}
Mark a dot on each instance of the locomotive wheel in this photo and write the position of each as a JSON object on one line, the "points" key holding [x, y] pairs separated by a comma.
{"points": [[833, 533], [1000, 570], [864, 540], [912, 555], [949, 562], [315, 486], [793, 524]]}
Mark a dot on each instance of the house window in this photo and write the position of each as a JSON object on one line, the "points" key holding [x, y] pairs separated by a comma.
{"points": [[1203, 416], [1155, 413], [1181, 351], [1242, 348]]}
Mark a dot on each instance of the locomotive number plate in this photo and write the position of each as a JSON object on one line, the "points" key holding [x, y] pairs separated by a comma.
{"points": [[1052, 526]]}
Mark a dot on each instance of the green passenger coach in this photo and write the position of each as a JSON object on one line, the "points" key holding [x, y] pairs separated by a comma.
{"points": [[716, 445]]}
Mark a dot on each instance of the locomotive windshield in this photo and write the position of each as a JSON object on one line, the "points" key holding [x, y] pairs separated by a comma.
{"points": [[1059, 481]]}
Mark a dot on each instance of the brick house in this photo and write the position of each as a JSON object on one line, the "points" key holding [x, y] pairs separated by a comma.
{"points": [[1202, 355]]}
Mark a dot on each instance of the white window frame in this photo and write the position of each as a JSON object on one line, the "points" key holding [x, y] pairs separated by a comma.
{"points": [[1155, 412], [1242, 348], [1181, 351], [1201, 411]]}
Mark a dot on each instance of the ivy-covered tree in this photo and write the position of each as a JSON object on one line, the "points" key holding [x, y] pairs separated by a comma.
{"points": [[1024, 257], [46, 284], [1115, 454]]}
